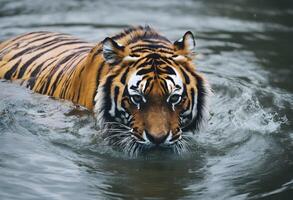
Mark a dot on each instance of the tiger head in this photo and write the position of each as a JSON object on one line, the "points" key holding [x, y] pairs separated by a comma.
{"points": [[152, 94]]}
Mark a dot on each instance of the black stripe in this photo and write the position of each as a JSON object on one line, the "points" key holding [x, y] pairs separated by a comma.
{"points": [[24, 35], [116, 93], [99, 51], [147, 84], [169, 70], [107, 98], [168, 61], [192, 93], [150, 62], [42, 46], [68, 80], [35, 74], [12, 46], [200, 103], [142, 50], [186, 77], [30, 61], [39, 39], [149, 46], [151, 87], [73, 57], [64, 60], [165, 51], [9, 73], [200, 98], [124, 76], [171, 79], [164, 86], [145, 71], [33, 79]]}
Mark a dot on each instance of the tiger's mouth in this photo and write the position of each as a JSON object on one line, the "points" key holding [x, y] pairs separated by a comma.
{"points": [[127, 140], [148, 139]]}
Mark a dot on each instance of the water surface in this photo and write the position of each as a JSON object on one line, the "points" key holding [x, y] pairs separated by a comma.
{"points": [[244, 48]]}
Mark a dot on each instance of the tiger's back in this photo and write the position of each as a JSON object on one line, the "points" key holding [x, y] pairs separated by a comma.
{"points": [[48, 63]]}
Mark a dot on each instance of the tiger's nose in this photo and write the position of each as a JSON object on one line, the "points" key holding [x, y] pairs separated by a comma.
{"points": [[156, 138]]}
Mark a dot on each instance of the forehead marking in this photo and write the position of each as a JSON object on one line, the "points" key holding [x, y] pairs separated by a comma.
{"points": [[133, 87], [136, 85], [178, 86]]}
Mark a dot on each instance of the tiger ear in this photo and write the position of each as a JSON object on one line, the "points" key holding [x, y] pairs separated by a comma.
{"points": [[186, 45], [112, 51]]}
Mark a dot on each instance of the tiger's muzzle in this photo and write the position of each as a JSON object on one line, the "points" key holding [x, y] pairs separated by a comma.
{"points": [[157, 139]]}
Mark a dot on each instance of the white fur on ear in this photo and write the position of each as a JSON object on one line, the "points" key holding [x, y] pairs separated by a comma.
{"points": [[186, 43], [189, 41], [111, 50], [108, 51]]}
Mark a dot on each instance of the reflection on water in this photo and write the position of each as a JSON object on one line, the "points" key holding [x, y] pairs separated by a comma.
{"points": [[50, 150]]}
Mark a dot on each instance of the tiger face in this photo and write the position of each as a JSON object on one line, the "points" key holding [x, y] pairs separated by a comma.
{"points": [[152, 95]]}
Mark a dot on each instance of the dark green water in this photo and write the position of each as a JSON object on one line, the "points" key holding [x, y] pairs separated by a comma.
{"points": [[245, 152]]}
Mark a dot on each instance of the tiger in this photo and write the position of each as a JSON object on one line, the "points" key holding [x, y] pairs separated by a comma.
{"points": [[143, 90]]}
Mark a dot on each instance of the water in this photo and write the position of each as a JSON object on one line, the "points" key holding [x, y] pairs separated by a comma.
{"points": [[49, 150]]}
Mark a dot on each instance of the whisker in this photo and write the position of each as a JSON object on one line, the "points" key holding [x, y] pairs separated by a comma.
{"points": [[120, 135]]}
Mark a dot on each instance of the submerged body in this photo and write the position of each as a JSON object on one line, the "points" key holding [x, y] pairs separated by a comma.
{"points": [[137, 81]]}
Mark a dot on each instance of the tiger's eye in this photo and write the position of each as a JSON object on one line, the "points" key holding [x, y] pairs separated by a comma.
{"points": [[175, 98], [136, 99]]}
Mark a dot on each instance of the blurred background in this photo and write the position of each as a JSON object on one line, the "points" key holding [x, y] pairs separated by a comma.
{"points": [[244, 49]]}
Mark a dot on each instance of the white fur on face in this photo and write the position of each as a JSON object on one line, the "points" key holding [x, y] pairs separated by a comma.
{"points": [[98, 109], [178, 82], [133, 87], [140, 87]]}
